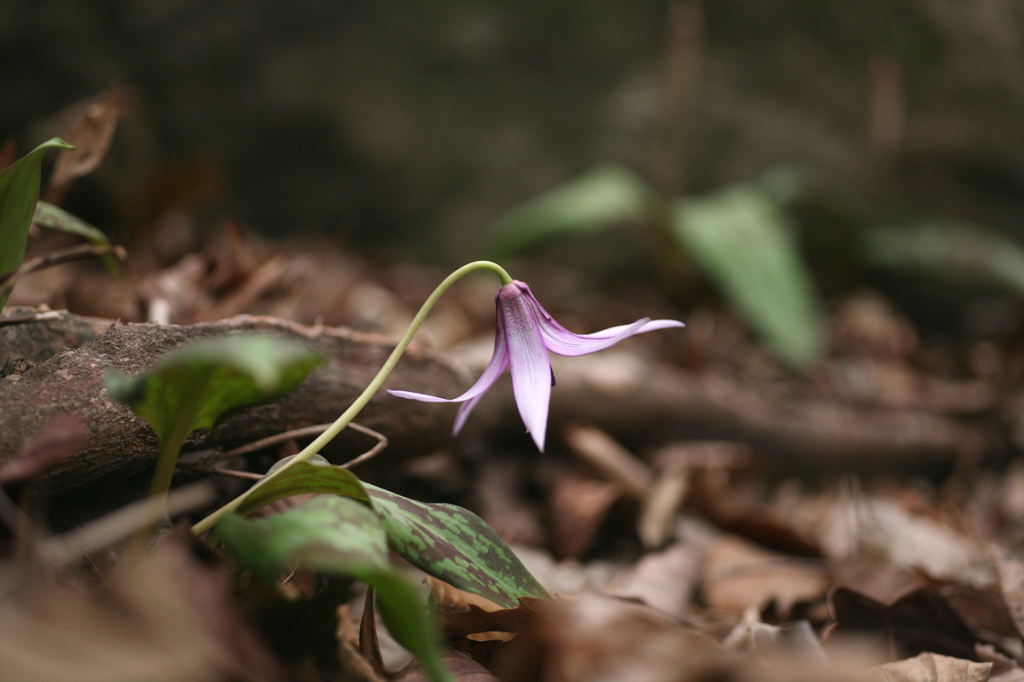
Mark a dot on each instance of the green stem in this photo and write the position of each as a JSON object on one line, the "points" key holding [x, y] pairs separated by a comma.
{"points": [[168, 457], [360, 402]]}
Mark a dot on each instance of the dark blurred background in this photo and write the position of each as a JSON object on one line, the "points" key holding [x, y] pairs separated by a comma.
{"points": [[421, 123]]}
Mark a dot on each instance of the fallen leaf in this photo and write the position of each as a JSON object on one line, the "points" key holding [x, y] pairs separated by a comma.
{"points": [[168, 620], [91, 136], [915, 623], [929, 667], [578, 505], [594, 637], [462, 667], [739, 574], [665, 580]]}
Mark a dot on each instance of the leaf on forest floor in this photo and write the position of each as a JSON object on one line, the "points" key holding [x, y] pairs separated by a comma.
{"points": [[337, 535], [19, 191], [738, 574], [455, 545], [578, 505], [443, 540], [931, 667], [919, 621], [882, 528], [168, 620], [194, 386], [91, 135], [462, 667], [665, 580], [594, 637]]}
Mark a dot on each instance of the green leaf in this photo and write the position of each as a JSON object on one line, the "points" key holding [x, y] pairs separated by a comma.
{"points": [[741, 238], [601, 197], [55, 218], [455, 545], [444, 540], [194, 386], [314, 476], [948, 249], [19, 191], [328, 533], [337, 535]]}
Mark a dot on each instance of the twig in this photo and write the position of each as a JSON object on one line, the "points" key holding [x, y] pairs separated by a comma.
{"points": [[316, 430], [199, 468], [64, 549], [58, 257], [267, 442], [37, 317], [382, 442]]}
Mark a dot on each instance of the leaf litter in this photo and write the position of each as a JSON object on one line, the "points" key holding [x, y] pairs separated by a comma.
{"points": [[702, 512]]}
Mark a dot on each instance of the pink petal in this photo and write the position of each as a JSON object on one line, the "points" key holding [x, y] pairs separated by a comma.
{"points": [[528, 362], [561, 341], [495, 368]]}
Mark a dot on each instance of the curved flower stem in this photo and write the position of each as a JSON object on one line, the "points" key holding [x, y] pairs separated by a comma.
{"points": [[360, 402]]}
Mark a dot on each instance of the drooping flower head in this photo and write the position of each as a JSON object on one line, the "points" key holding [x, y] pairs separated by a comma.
{"points": [[525, 333]]}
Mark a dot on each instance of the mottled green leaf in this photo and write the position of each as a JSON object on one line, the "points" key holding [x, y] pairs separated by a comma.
{"points": [[192, 387], [601, 197], [444, 540], [455, 545], [314, 476], [948, 250], [328, 533], [337, 535], [55, 218], [19, 191], [743, 241]]}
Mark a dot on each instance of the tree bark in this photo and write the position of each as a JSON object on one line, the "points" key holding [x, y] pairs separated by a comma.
{"points": [[122, 445]]}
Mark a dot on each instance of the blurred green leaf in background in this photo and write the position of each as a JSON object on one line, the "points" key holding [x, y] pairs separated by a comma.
{"points": [[742, 238]]}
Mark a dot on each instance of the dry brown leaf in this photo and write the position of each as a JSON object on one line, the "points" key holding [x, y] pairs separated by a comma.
{"points": [[578, 505], [610, 459], [450, 598], [882, 528], [929, 667], [1010, 572], [739, 574], [169, 619], [915, 623], [91, 136], [665, 580], [475, 619], [462, 667], [594, 637]]}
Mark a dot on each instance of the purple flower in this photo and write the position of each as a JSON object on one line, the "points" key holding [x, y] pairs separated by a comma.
{"points": [[526, 332]]}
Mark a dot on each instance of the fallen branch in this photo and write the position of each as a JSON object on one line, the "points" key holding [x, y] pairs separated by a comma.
{"points": [[122, 445]]}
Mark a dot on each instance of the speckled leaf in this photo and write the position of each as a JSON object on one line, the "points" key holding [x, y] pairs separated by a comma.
{"points": [[455, 545], [19, 191], [336, 535], [444, 540], [328, 533], [194, 386], [314, 476]]}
